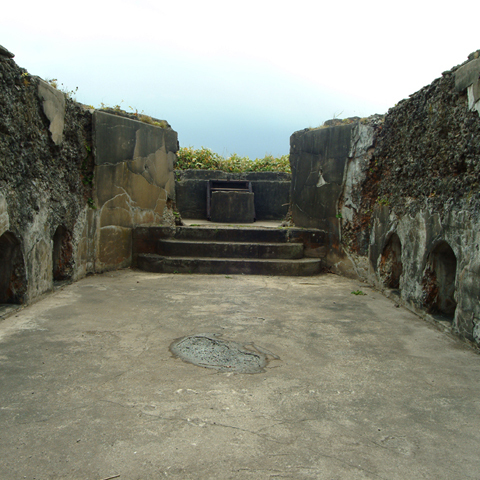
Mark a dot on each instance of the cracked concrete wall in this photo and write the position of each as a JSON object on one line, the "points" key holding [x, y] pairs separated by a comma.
{"points": [[422, 184], [134, 183], [318, 159]]}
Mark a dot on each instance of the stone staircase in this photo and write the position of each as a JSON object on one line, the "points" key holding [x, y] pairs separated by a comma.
{"points": [[226, 250]]}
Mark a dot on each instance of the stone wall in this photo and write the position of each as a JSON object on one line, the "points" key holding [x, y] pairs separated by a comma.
{"points": [[73, 183], [401, 204], [271, 192]]}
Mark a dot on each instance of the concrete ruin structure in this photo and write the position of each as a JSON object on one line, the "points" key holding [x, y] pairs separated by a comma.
{"points": [[74, 182], [394, 199], [271, 192], [398, 197]]}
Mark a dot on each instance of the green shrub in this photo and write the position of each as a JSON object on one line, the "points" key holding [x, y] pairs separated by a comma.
{"points": [[201, 159], [205, 159]]}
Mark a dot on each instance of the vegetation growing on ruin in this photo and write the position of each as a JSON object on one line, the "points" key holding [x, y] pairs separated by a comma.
{"points": [[69, 93], [134, 115], [115, 110], [204, 159]]}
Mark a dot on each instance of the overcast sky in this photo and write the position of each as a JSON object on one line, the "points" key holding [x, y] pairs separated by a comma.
{"points": [[241, 76]]}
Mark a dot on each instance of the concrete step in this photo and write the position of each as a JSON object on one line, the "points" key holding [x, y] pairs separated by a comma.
{"points": [[228, 266], [229, 250], [194, 248], [233, 234], [145, 238]]}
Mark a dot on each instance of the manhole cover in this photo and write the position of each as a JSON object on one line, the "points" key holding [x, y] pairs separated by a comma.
{"points": [[226, 356]]}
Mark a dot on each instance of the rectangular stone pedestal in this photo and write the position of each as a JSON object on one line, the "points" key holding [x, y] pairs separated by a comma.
{"points": [[233, 207]]}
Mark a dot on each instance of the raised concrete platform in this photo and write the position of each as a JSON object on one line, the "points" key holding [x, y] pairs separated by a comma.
{"points": [[360, 389]]}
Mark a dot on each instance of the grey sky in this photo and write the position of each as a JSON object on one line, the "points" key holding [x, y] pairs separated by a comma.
{"points": [[240, 77]]}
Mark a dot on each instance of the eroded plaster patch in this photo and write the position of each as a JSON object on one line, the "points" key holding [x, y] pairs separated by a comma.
{"points": [[54, 109]]}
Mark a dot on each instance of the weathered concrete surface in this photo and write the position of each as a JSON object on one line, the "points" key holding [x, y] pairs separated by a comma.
{"points": [[133, 182], [467, 74], [419, 236], [272, 194], [70, 193], [54, 109], [467, 77], [228, 207], [422, 185], [149, 239], [226, 250], [362, 389], [328, 170], [318, 158]]}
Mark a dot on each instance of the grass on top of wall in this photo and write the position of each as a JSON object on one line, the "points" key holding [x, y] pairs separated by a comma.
{"points": [[204, 159]]}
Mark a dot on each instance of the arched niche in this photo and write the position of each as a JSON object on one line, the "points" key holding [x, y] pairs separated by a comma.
{"points": [[62, 255], [390, 266], [439, 280], [13, 283]]}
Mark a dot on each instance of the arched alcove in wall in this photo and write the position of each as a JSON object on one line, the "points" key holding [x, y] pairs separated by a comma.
{"points": [[439, 280], [62, 254], [390, 266], [13, 284]]}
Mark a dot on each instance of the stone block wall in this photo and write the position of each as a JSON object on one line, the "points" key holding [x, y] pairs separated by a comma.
{"points": [[73, 183], [271, 192], [406, 212]]}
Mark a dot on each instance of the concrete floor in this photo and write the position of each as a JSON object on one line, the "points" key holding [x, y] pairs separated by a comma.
{"points": [[361, 389]]}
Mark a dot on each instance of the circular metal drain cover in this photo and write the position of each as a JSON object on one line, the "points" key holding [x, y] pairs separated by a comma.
{"points": [[226, 356]]}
